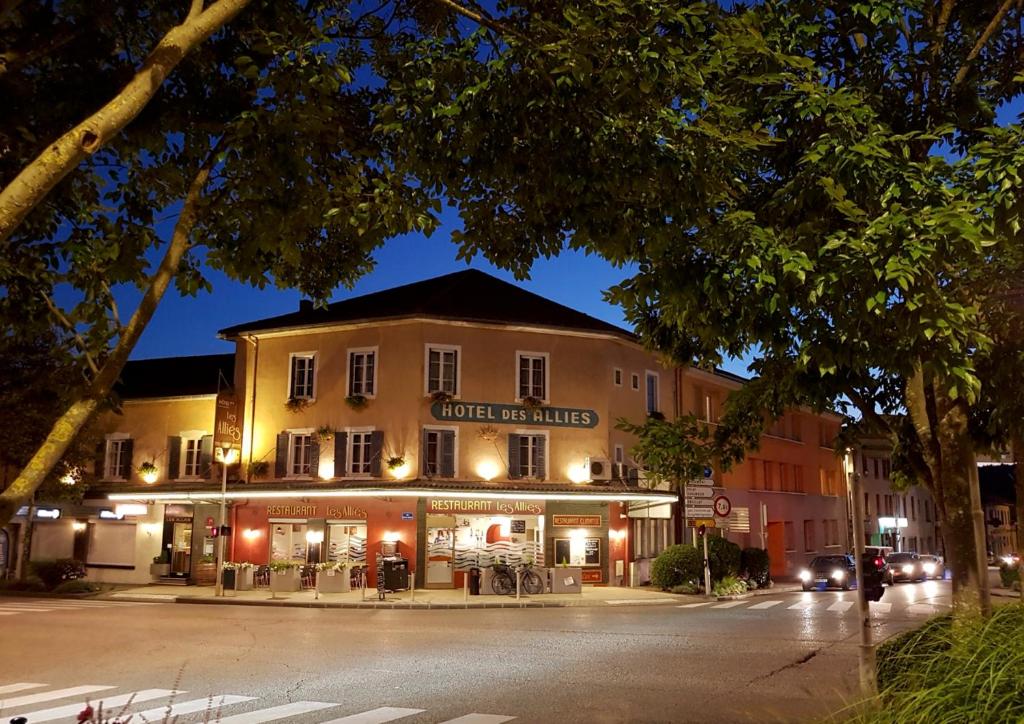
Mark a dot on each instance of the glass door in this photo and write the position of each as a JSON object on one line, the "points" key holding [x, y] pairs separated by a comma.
{"points": [[181, 550], [440, 551]]}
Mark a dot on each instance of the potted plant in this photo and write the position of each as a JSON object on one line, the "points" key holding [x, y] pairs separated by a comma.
{"points": [[296, 404], [357, 402], [148, 471], [204, 573], [334, 577], [284, 576], [259, 469], [325, 433], [440, 396], [395, 461], [532, 403], [161, 565], [238, 575]]}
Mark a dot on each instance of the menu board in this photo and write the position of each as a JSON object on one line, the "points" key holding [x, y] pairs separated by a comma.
{"points": [[578, 551], [592, 552]]}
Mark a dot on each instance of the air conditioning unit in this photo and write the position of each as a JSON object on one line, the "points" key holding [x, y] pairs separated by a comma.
{"points": [[618, 471], [633, 477], [599, 468]]}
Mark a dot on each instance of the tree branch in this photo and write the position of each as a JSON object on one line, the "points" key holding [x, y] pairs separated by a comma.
{"points": [[61, 157], [113, 308], [485, 21], [66, 323], [979, 45]]}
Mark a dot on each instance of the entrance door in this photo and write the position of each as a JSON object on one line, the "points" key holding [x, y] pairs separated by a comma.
{"points": [[440, 551], [777, 549], [181, 550]]}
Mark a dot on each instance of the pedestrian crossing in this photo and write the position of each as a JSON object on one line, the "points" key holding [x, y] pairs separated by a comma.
{"points": [[821, 605], [39, 703], [22, 606]]}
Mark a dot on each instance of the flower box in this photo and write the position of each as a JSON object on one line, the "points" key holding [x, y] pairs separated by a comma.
{"points": [[285, 581], [205, 573], [238, 579], [566, 580], [159, 570], [334, 581]]}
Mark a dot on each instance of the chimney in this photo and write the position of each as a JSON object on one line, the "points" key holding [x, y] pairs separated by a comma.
{"points": [[305, 305]]}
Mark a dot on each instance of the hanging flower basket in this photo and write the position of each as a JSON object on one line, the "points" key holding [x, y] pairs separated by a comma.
{"points": [[357, 402], [325, 433], [440, 396], [532, 403], [296, 404], [488, 433]]}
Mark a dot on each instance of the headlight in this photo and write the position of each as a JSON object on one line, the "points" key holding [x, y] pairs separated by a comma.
{"points": [[1008, 560], [805, 576], [929, 568], [838, 574], [908, 569]]}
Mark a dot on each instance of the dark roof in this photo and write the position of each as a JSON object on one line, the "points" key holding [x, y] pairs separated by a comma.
{"points": [[175, 376], [469, 296]]}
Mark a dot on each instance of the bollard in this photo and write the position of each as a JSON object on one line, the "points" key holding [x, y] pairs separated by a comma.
{"points": [[465, 587], [362, 585], [519, 578], [412, 584]]}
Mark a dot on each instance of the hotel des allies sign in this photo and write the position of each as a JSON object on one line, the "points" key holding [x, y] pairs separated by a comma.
{"points": [[459, 411]]}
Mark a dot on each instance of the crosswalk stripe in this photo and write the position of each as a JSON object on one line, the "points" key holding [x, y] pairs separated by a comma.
{"points": [[21, 609], [377, 716], [278, 712], [51, 695], [729, 604], [801, 605], [765, 604], [480, 719], [213, 703], [633, 601], [9, 613], [111, 705], [881, 606], [694, 605], [921, 608], [11, 688], [841, 606]]}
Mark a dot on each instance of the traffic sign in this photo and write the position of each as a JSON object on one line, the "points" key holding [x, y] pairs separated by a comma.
{"points": [[708, 522], [703, 482], [722, 506], [700, 512], [698, 492], [708, 472]]}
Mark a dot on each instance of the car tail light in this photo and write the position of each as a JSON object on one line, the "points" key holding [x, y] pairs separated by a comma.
{"points": [[879, 562]]}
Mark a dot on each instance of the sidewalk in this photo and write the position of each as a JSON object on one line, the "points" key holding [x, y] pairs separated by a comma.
{"points": [[425, 599]]}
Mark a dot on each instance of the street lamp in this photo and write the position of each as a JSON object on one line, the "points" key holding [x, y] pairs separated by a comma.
{"points": [[225, 456], [866, 658]]}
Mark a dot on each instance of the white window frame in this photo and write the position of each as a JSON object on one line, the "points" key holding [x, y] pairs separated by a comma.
{"points": [[120, 438], [457, 349], [547, 451], [634, 381], [618, 376], [648, 375], [348, 369], [455, 450], [291, 367], [546, 356], [350, 432], [188, 436], [292, 434]]}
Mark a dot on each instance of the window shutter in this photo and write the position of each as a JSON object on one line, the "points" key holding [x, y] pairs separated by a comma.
{"points": [[376, 452], [173, 458], [351, 374], [101, 460], [293, 379], [206, 456], [340, 454], [447, 453], [513, 457], [540, 442], [281, 461], [424, 447], [129, 448], [314, 456]]}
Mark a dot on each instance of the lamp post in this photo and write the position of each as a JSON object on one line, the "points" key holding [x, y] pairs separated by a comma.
{"points": [[866, 658], [225, 456]]}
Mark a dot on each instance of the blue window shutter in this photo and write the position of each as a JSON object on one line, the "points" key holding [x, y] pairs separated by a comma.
{"points": [[513, 457], [281, 461], [173, 458], [447, 453], [340, 454], [376, 452]]}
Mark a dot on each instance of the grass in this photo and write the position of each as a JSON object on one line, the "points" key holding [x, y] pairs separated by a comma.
{"points": [[971, 671]]}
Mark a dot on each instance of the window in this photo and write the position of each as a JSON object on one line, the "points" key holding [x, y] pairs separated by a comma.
{"points": [[300, 455], [617, 377], [439, 452], [798, 479], [651, 536], [303, 370], [191, 457], [533, 375], [709, 412], [864, 464], [527, 455], [875, 460], [790, 536], [620, 456], [442, 369], [652, 392], [362, 372], [913, 508], [886, 469], [809, 536], [634, 381], [360, 452], [867, 508], [117, 459], [831, 527], [927, 511]]}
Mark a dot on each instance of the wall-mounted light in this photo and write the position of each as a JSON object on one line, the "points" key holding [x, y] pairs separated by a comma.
{"points": [[251, 534], [400, 471], [152, 528], [392, 537], [578, 473], [487, 469], [226, 455], [79, 525], [149, 472], [69, 478], [314, 536], [577, 533], [617, 534]]}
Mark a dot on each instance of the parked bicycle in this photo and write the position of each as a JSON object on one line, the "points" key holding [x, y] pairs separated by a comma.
{"points": [[503, 582]]}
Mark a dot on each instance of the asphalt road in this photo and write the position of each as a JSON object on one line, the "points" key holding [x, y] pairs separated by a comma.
{"points": [[785, 657]]}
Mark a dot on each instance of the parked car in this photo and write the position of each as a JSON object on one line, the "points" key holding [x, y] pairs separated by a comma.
{"points": [[829, 572], [879, 551], [874, 570], [933, 566], [905, 567]]}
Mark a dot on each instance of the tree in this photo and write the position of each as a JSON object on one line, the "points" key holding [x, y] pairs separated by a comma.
{"points": [[820, 185]]}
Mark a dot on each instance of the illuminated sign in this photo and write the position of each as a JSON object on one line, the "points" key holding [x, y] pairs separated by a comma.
{"points": [[107, 514], [485, 506], [48, 513], [576, 521], [884, 523], [513, 414]]}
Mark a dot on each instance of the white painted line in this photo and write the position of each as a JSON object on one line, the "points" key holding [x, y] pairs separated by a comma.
{"points": [[51, 695], [19, 608], [211, 703], [633, 601], [11, 688], [801, 605], [279, 712], [111, 706], [921, 609], [9, 613], [694, 605], [841, 606], [881, 606], [377, 716], [766, 604], [480, 719], [729, 604]]}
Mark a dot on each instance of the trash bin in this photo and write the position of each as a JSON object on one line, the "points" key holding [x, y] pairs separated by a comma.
{"points": [[474, 581]]}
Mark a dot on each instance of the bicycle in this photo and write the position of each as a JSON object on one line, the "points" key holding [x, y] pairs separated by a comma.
{"points": [[503, 582]]}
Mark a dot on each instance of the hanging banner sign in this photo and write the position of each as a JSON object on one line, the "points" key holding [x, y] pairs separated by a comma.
{"points": [[513, 414], [227, 423]]}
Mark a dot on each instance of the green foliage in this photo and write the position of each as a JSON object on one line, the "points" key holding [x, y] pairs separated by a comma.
{"points": [[31, 583], [729, 586], [676, 565], [53, 573], [723, 558], [688, 588], [76, 586], [1009, 575], [756, 566]]}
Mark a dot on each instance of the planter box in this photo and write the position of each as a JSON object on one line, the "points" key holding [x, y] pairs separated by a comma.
{"points": [[205, 574], [566, 580], [334, 581], [238, 579], [285, 581], [159, 570]]}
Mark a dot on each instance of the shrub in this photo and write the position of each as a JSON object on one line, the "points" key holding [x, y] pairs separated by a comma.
{"points": [[32, 583], [676, 565], [1008, 575], [723, 558], [686, 588], [729, 586], [54, 573], [76, 586], [755, 565]]}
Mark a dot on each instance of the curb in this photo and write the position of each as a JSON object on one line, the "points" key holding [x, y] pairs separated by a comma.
{"points": [[405, 605], [51, 594]]}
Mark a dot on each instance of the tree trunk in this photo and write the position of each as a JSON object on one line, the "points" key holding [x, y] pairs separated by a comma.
{"points": [[68, 425], [1017, 445], [60, 157], [24, 564]]}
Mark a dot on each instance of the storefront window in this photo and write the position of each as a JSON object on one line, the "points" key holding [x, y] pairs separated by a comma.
{"points": [[578, 550], [347, 542], [458, 543], [288, 541]]}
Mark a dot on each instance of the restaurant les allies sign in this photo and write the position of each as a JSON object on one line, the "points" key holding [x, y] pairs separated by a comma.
{"points": [[459, 411]]}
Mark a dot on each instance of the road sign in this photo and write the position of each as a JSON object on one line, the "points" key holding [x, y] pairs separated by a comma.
{"points": [[708, 522], [702, 482], [692, 492], [708, 472], [695, 512], [722, 506]]}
